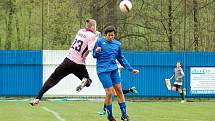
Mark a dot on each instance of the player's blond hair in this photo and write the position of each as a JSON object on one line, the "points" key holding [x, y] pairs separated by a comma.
{"points": [[91, 23]]}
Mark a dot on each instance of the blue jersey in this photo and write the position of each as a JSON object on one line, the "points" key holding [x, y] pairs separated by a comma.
{"points": [[110, 52]]}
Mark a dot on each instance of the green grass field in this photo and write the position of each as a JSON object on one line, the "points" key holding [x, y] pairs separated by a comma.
{"points": [[86, 111]]}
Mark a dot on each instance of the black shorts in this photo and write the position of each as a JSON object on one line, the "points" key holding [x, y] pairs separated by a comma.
{"points": [[177, 86], [67, 67]]}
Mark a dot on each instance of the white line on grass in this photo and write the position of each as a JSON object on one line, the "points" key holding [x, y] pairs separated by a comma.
{"points": [[54, 113]]}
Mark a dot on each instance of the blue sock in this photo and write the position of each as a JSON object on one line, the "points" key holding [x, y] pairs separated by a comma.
{"points": [[109, 110], [123, 109]]}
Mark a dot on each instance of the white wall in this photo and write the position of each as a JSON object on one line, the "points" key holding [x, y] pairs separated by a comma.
{"points": [[67, 86]]}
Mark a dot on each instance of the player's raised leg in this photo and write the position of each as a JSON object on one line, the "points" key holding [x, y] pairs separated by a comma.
{"points": [[60, 72]]}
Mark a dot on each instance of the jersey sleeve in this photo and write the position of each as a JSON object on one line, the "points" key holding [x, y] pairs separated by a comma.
{"points": [[121, 59], [92, 41], [95, 54]]}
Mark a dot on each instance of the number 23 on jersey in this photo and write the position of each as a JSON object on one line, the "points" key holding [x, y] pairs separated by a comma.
{"points": [[77, 44]]}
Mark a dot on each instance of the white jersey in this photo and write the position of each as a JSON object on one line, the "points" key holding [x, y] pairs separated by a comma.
{"points": [[84, 40]]}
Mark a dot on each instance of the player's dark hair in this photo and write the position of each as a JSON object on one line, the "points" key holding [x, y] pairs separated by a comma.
{"points": [[110, 29]]}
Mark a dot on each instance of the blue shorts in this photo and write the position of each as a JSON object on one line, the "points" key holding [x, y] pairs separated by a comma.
{"points": [[108, 79]]}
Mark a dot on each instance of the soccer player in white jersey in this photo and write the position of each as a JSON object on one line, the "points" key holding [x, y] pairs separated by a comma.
{"points": [[177, 86], [75, 60]]}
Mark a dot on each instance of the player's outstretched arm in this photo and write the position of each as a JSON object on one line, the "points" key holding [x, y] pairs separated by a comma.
{"points": [[171, 77]]}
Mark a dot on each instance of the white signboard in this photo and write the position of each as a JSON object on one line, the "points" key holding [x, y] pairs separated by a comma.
{"points": [[202, 80]]}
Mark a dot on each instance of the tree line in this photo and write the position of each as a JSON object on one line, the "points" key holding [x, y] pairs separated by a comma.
{"points": [[151, 25]]}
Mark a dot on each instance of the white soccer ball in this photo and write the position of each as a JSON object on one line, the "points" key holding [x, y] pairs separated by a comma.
{"points": [[125, 5]]}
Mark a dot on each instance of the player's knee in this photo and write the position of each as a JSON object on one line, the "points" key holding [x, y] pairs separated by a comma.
{"points": [[180, 90], [109, 92], [119, 91], [173, 88]]}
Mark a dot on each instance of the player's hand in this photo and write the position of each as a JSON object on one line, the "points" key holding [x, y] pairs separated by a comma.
{"points": [[98, 49], [135, 71]]}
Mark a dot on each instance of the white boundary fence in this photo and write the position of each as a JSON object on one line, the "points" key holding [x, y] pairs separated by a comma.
{"points": [[67, 86]]}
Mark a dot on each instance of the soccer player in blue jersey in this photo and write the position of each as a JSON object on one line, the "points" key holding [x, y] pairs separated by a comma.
{"points": [[107, 50]]}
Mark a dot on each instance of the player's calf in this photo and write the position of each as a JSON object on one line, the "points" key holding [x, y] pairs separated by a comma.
{"points": [[85, 82], [88, 82]]}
